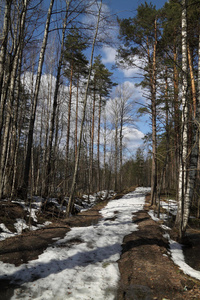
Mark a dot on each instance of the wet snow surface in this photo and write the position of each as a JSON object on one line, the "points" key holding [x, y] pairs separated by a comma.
{"points": [[83, 265]]}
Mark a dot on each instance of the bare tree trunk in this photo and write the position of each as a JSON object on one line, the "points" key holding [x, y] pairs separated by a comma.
{"points": [[34, 107], [192, 80], [194, 157], [120, 150], [184, 131], [55, 101], [4, 86], [104, 148], [98, 146], [167, 145], [154, 133], [68, 130], [92, 142], [71, 200], [116, 153], [9, 116], [4, 41], [76, 124], [16, 119], [176, 118]]}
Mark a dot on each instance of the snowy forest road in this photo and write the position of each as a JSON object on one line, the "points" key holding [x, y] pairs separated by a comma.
{"points": [[82, 265], [123, 256]]}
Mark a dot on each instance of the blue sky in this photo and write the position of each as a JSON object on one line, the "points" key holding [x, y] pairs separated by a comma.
{"points": [[126, 8]]}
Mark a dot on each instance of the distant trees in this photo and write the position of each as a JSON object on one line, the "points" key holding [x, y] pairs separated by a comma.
{"points": [[122, 112]]}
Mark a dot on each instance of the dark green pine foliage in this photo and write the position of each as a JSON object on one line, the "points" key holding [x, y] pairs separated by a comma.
{"points": [[74, 57], [135, 34], [101, 82]]}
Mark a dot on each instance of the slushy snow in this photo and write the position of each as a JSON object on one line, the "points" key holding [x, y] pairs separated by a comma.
{"points": [[83, 265]]}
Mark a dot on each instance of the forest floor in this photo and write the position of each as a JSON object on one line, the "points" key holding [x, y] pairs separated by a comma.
{"points": [[146, 269]]}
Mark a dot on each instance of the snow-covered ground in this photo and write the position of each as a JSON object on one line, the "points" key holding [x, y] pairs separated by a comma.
{"points": [[83, 265]]}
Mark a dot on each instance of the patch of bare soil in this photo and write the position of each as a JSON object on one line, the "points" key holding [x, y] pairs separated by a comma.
{"points": [[147, 271]]}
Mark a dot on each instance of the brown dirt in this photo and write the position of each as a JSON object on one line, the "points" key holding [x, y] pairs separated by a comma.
{"points": [[147, 272]]}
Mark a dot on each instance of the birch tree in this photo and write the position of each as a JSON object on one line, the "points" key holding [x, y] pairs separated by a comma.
{"points": [[19, 42], [55, 101], [187, 171], [24, 188], [3, 49], [184, 147]]}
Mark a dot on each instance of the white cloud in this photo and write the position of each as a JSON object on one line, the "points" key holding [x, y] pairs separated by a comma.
{"points": [[109, 55], [132, 138], [132, 72]]}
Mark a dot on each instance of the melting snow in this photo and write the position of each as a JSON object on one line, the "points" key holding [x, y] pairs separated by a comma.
{"points": [[83, 265], [176, 249]]}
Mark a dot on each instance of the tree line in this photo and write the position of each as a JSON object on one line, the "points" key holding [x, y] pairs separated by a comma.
{"points": [[57, 138]]}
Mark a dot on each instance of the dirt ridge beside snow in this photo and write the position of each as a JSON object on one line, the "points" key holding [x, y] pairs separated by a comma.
{"points": [[146, 268]]}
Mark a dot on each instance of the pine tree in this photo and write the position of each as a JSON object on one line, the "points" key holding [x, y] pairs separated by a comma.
{"points": [[100, 86], [139, 37], [75, 64]]}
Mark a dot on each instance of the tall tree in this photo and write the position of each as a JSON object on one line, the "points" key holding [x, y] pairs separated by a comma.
{"points": [[3, 49], [71, 200], [139, 36], [101, 85], [74, 60], [35, 101], [55, 101], [19, 40], [189, 157]]}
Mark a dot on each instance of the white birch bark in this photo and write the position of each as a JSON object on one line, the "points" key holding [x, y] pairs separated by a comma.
{"points": [[154, 121], [183, 153], [194, 157]]}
